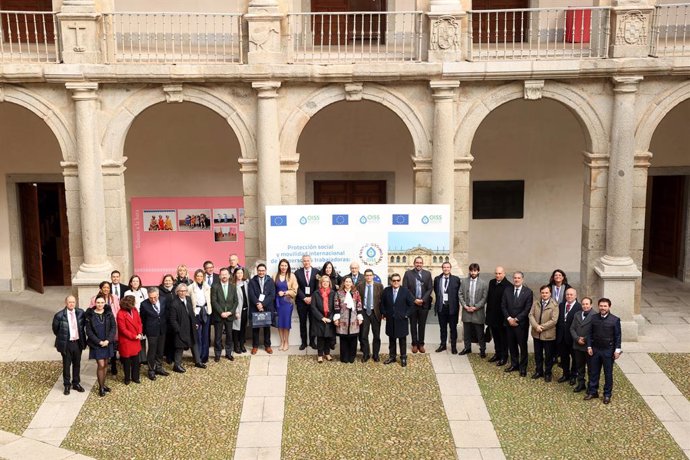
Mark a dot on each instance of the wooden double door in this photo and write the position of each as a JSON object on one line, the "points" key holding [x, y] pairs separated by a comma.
{"points": [[350, 192], [347, 28], [499, 27], [29, 28], [665, 244]]}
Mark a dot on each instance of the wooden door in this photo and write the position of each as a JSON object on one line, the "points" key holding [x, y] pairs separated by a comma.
{"points": [[64, 237], [499, 27], [341, 29], [350, 192], [666, 225], [31, 236], [27, 28]]}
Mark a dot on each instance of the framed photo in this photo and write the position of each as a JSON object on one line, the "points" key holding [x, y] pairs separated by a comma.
{"points": [[160, 220], [194, 220]]}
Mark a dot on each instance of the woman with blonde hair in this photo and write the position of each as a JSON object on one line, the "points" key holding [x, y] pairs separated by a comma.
{"points": [[286, 291], [183, 275], [200, 293]]}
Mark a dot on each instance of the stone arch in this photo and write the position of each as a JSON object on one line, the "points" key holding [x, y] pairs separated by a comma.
{"points": [[298, 119], [113, 140], [596, 137], [47, 112], [658, 109]]}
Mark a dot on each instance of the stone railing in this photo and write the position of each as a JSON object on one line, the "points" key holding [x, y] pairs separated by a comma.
{"points": [[28, 36]]}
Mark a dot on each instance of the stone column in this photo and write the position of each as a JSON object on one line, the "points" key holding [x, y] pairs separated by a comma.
{"points": [[461, 214], [268, 153], [251, 211], [421, 168], [288, 179], [593, 219], [80, 33], [116, 221], [639, 212], [616, 268], [95, 266]]}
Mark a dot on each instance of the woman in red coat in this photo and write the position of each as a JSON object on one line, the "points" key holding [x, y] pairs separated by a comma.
{"points": [[130, 334]]}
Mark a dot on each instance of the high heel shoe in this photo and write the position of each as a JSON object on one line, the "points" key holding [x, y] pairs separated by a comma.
{"points": [[101, 392]]}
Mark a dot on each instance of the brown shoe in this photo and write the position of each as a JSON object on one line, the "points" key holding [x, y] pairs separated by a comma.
{"points": [[269, 350], [254, 350], [414, 348], [421, 349]]}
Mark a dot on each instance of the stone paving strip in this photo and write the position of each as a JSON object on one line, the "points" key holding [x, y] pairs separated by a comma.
{"points": [[662, 396], [261, 424], [470, 422], [20, 448]]}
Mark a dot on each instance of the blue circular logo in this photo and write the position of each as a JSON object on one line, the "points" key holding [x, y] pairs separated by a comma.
{"points": [[425, 220], [303, 220], [371, 252], [363, 220]]}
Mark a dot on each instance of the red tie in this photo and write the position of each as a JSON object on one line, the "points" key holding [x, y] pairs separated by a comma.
{"points": [[567, 308]]}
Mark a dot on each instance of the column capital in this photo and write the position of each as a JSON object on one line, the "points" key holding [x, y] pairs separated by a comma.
{"points": [[263, 4], [266, 89], [82, 91], [643, 159], [627, 84], [596, 160], [463, 163], [247, 165], [421, 163], [443, 89]]}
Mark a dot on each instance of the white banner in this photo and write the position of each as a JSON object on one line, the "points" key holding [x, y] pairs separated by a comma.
{"points": [[385, 238]]}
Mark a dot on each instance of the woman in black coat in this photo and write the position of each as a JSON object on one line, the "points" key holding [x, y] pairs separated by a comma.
{"points": [[321, 309], [100, 335], [183, 328]]}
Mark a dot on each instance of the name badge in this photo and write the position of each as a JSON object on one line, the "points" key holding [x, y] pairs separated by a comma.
{"points": [[261, 297], [445, 297], [307, 290]]}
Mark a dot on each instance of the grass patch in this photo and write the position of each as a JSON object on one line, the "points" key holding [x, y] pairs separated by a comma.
{"points": [[23, 387], [534, 419], [677, 367], [191, 415], [335, 410]]}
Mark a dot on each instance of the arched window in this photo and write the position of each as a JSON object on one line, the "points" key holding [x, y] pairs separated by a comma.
{"points": [[392, 259]]}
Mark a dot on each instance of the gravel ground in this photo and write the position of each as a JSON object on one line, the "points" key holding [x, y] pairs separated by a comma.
{"points": [[348, 411], [185, 416], [677, 367], [23, 387], [535, 419]]}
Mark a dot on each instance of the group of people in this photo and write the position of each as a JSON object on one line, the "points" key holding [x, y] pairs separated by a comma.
{"points": [[157, 323]]}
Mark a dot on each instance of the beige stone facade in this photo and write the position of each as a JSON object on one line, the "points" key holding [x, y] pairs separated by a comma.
{"points": [[259, 116]]}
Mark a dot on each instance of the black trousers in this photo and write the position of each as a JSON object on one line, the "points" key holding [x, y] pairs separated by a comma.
{"points": [[517, 340], [402, 341], [499, 335], [220, 326], [582, 362], [566, 352], [178, 355], [323, 345], [267, 336], [478, 329], [602, 357], [446, 320], [543, 355], [239, 337], [348, 348], [71, 362], [154, 355], [418, 325], [130, 367], [304, 318], [370, 322]]}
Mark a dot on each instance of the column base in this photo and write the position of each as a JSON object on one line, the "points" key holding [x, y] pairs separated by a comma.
{"points": [[618, 276], [87, 279]]}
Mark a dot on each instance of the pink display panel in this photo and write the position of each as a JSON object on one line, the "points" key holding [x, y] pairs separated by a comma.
{"points": [[167, 232]]}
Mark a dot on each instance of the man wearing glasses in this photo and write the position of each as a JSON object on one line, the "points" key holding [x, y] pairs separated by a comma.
{"points": [[397, 305]]}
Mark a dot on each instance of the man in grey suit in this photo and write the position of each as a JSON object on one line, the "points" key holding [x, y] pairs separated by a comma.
{"points": [[418, 281], [579, 330], [472, 296]]}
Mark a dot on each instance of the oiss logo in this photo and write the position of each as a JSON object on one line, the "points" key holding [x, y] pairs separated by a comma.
{"points": [[304, 220], [432, 219], [370, 219], [370, 254]]}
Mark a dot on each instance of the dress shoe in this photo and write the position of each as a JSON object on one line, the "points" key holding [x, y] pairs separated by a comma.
{"points": [[564, 378], [441, 348], [301, 347], [163, 372], [67, 389], [106, 388], [523, 373], [501, 363], [313, 345], [228, 357], [237, 350], [454, 350], [547, 378], [152, 376], [217, 359], [179, 369], [376, 358], [79, 388], [403, 361], [421, 349], [254, 350], [136, 381], [244, 350], [365, 358], [389, 360], [494, 358], [269, 350], [414, 348], [203, 366], [578, 388], [101, 392], [537, 375], [465, 351], [607, 399], [510, 369], [333, 346], [572, 381], [482, 354], [589, 396]]}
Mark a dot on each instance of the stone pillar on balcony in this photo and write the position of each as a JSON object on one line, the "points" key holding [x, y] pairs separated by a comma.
{"points": [[288, 179], [445, 31], [264, 20], [616, 268], [631, 28], [80, 32]]}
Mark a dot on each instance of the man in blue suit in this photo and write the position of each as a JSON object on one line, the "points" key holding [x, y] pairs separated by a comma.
{"points": [[604, 347], [446, 288], [397, 305], [262, 297], [154, 319]]}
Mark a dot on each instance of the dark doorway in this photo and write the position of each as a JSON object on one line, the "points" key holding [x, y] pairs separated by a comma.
{"points": [[666, 225], [339, 30], [30, 27], [500, 26], [350, 192], [45, 235]]}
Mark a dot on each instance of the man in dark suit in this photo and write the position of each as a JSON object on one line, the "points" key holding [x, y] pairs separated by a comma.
{"points": [[154, 318], [418, 281], [70, 341], [370, 291], [262, 297], [234, 264], [397, 304], [494, 315], [604, 347], [446, 287], [118, 289], [183, 328], [354, 274], [224, 305], [579, 331], [210, 277], [564, 342], [516, 305], [307, 285]]}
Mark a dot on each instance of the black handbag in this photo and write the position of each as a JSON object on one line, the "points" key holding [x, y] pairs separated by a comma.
{"points": [[262, 319]]}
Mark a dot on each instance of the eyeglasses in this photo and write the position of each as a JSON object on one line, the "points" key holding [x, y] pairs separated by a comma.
{"points": [[395, 281]]}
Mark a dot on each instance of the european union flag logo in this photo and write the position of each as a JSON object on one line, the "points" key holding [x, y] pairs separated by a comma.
{"points": [[278, 221], [340, 219], [401, 219]]}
